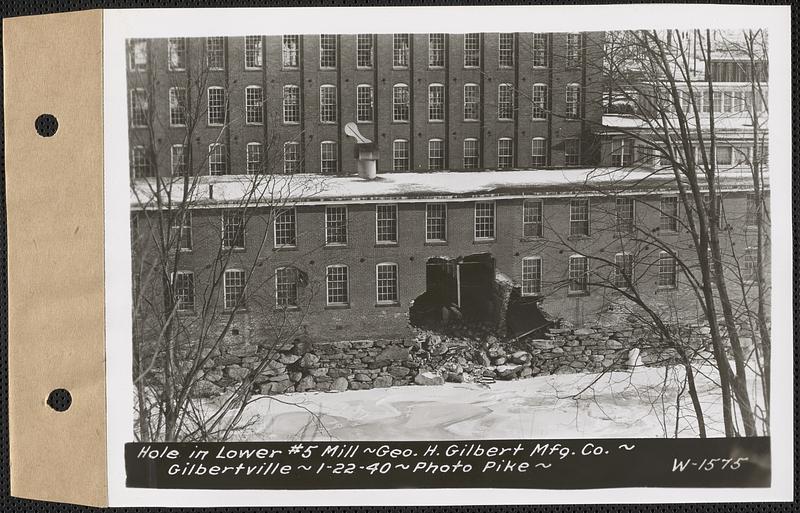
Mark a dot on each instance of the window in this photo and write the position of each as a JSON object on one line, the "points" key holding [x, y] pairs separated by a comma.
{"points": [[539, 102], [327, 104], [386, 283], [505, 50], [364, 53], [291, 104], [184, 291], [435, 154], [623, 270], [573, 98], [505, 101], [669, 214], [232, 229], [724, 155], [578, 274], [436, 222], [484, 220], [215, 53], [579, 217], [140, 162], [505, 152], [290, 52], [750, 264], [622, 151], [751, 215], [667, 271], [400, 44], [532, 219], [285, 228], [140, 112], [436, 50], [472, 50], [573, 55], [400, 103], [286, 287], [254, 105], [329, 160], [572, 152], [217, 159], [176, 50], [291, 158], [539, 151], [386, 224], [252, 52], [234, 289], [338, 287], [364, 104], [254, 158], [177, 106], [470, 153], [336, 226], [540, 50], [436, 102], [625, 215], [182, 230], [531, 276], [327, 51], [178, 159], [471, 102], [400, 155], [216, 106], [137, 54]]}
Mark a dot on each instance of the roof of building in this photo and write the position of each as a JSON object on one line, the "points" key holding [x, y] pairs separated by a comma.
{"points": [[722, 123]]}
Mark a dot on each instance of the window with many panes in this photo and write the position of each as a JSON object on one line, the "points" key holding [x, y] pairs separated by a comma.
{"points": [[505, 153], [623, 270], [579, 217], [327, 104], [177, 106], [254, 105], [252, 52], [178, 159], [573, 101], [400, 43], [215, 53], [329, 158], [471, 154], [578, 274], [436, 50], [435, 154], [290, 52], [622, 151], [471, 102], [336, 226], [291, 104], [539, 151], [291, 158], [750, 265], [539, 102], [669, 214], [436, 102], [667, 271], [184, 291], [364, 104], [234, 289], [216, 106], [386, 224], [182, 230], [217, 159], [436, 222], [573, 53], [625, 215], [137, 54], [285, 228], [364, 51], [386, 283], [484, 220], [254, 158], [531, 276], [140, 162], [233, 229], [400, 155], [505, 50], [286, 287], [176, 53], [572, 152], [505, 101], [337, 284], [327, 51], [140, 111], [532, 218], [472, 50], [400, 103], [539, 52]]}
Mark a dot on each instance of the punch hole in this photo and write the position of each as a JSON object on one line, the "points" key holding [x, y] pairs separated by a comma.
{"points": [[59, 399], [46, 125]]}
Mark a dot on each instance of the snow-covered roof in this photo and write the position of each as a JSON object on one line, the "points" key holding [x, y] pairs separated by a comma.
{"points": [[722, 122]]}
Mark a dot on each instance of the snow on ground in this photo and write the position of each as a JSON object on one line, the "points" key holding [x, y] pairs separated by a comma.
{"points": [[619, 404]]}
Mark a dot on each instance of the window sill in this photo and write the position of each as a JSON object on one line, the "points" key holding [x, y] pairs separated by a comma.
{"points": [[386, 244], [435, 243], [284, 248], [387, 304], [253, 123], [578, 294], [286, 309], [337, 307], [246, 68], [291, 123], [290, 68], [484, 241], [235, 250], [435, 121], [471, 120], [335, 246]]}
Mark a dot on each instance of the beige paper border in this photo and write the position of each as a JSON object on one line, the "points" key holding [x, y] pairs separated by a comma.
{"points": [[54, 191]]}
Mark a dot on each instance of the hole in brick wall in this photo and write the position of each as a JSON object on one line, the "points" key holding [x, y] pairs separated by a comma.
{"points": [[46, 125], [59, 399]]}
